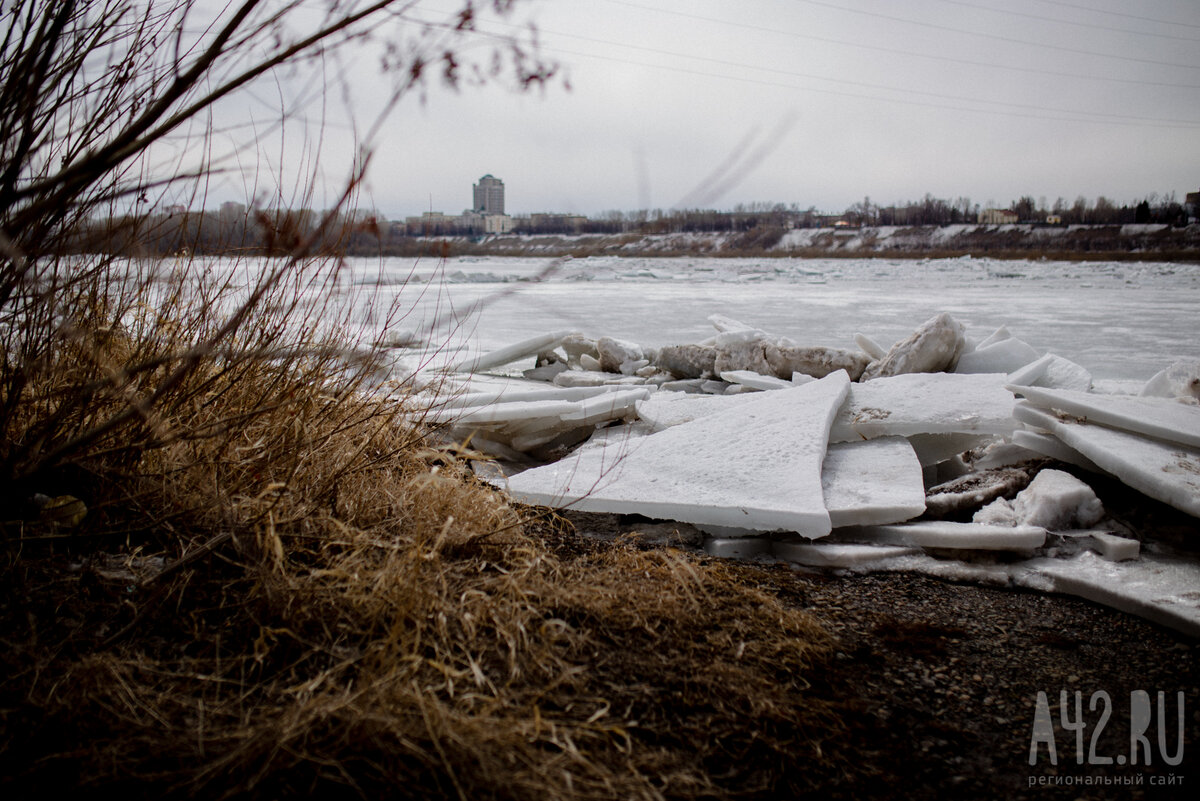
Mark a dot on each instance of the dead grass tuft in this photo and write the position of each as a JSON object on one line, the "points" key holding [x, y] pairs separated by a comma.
{"points": [[278, 589]]}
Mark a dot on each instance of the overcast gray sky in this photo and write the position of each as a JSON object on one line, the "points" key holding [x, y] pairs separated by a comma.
{"points": [[711, 103]]}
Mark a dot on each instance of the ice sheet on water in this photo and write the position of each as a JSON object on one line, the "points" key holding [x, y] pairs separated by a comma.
{"points": [[755, 468]]}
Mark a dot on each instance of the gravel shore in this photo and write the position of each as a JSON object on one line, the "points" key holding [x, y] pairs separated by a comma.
{"points": [[941, 680]]}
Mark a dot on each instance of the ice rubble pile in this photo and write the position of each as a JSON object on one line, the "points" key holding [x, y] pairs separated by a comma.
{"points": [[924, 455]]}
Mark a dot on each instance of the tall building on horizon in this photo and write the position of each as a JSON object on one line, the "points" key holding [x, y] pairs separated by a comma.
{"points": [[489, 195]]}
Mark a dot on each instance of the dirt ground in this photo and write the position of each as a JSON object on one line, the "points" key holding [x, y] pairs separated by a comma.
{"points": [[940, 683]]}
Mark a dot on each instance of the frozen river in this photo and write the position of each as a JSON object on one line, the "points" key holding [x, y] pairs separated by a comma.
{"points": [[1119, 320]]}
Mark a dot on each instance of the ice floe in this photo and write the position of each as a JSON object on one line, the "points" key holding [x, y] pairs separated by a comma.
{"points": [[933, 454], [755, 468]]}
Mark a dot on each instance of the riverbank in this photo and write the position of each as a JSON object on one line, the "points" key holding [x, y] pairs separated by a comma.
{"points": [[1020, 241]]}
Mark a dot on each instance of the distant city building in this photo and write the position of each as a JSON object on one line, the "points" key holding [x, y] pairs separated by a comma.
{"points": [[497, 224], [997, 217], [489, 195], [556, 223], [231, 210]]}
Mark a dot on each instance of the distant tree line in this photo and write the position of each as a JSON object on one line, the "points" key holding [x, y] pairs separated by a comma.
{"points": [[235, 229]]}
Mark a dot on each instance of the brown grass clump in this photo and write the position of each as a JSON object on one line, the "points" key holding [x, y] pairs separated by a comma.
{"points": [[270, 585]]}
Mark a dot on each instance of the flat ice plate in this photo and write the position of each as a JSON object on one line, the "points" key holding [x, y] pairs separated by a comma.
{"points": [[925, 403], [1165, 471], [1162, 418], [756, 467]]}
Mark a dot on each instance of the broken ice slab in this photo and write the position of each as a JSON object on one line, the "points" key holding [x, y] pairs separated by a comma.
{"points": [[1180, 380], [510, 394], [973, 490], [1002, 356], [839, 555], [1114, 548], [754, 380], [1052, 372], [502, 412], [1051, 446], [943, 534], [870, 346], [608, 406], [999, 335], [1165, 471], [666, 409], [1162, 418], [934, 448], [754, 468], [584, 378], [1165, 591], [933, 347], [926, 403], [740, 548], [878, 481], [1057, 500], [511, 353]]}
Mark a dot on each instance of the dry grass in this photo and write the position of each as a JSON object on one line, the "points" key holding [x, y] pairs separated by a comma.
{"points": [[279, 589]]}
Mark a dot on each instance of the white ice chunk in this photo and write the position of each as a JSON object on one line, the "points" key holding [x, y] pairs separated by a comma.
{"points": [[838, 555], [590, 363], [586, 378], [757, 467], [1162, 470], [1056, 500], [546, 372], [755, 380], [666, 409], [1114, 548], [933, 347], [1001, 454], [878, 481], [999, 512], [870, 346], [724, 324], [1180, 380], [944, 534], [615, 352], [999, 335], [934, 448], [519, 350], [609, 406], [1152, 417], [1052, 446], [503, 412], [926, 403], [999, 357], [508, 395], [633, 366], [1155, 588], [1052, 372]]}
